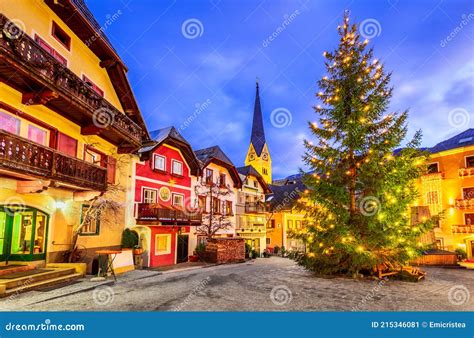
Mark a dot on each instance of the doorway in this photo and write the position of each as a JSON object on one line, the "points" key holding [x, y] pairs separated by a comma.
{"points": [[23, 232], [183, 244]]}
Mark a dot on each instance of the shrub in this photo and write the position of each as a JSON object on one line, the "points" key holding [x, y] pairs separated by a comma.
{"points": [[129, 239], [201, 247], [461, 253]]}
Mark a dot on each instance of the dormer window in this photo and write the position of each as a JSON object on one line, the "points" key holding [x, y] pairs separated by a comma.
{"points": [[159, 162], [209, 174], [177, 168], [222, 182], [60, 35]]}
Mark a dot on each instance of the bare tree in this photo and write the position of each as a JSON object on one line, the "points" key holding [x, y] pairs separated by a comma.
{"points": [[218, 217]]}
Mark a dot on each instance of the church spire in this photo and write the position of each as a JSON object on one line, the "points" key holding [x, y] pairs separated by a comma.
{"points": [[258, 133]]}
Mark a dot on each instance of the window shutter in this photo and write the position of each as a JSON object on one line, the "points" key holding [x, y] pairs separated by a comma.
{"points": [[111, 167]]}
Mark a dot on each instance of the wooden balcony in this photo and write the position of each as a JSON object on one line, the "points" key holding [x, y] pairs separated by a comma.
{"points": [[464, 203], [255, 208], [149, 213], [27, 159], [27, 67], [466, 172], [462, 229]]}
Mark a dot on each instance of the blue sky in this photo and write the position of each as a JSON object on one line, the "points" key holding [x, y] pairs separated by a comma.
{"points": [[206, 76]]}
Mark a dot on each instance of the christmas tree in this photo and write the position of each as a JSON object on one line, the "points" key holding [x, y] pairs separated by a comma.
{"points": [[361, 188]]}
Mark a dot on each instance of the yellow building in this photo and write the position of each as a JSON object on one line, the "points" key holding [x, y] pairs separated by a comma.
{"points": [[258, 155], [68, 124], [284, 215], [449, 186], [250, 207]]}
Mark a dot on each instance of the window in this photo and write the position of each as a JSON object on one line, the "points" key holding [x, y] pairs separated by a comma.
{"points": [[264, 170], [93, 156], [432, 197], [268, 241], [202, 203], [468, 193], [37, 135], [222, 180], [51, 50], [433, 168], [94, 87], [209, 174], [149, 195], [178, 200], [469, 218], [9, 123], [272, 224], [177, 168], [67, 144], [290, 224], [439, 244], [202, 240], [246, 182], [159, 162], [162, 244], [469, 161], [228, 208], [216, 206], [90, 218], [298, 224], [255, 184], [61, 36]]}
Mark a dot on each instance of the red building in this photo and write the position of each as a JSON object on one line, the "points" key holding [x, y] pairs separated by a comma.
{"points": [[164, 200]]}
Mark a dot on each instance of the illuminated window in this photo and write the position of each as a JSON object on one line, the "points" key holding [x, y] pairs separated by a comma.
{"points": [[90, 218], [178, 200], [469, 161], [51, 50], [432, 197], [149, 195], [162, 244]]}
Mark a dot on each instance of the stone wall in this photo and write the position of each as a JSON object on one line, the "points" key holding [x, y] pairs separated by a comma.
{"points": [[225, 250]]}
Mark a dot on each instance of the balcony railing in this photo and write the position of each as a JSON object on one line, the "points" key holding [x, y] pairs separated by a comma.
{"points": [[464, 203], [250, 228], [466, 172], [29, 60], [25, 157], [462, 229], [255, 208], [154, 212]]}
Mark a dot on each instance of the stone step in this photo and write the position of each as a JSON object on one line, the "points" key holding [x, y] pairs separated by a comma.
{"points": [[6, 270], [42, 283], [24, 281]]}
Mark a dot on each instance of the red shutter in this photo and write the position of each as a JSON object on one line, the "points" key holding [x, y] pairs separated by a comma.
{"points": [[111, 167], [67, 145]]}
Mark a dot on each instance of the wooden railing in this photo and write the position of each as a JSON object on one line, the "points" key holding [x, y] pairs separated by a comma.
{"points": [[152, 212], [35, 60], [464, 203], [29, 158], [462, 229], [466, 172], [255, 208]]}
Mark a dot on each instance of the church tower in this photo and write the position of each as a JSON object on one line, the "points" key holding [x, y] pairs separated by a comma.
{"points": [[258, 155]]}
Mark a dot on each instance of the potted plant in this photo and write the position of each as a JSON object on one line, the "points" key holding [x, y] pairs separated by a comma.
{"points": [[198, 252]]}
